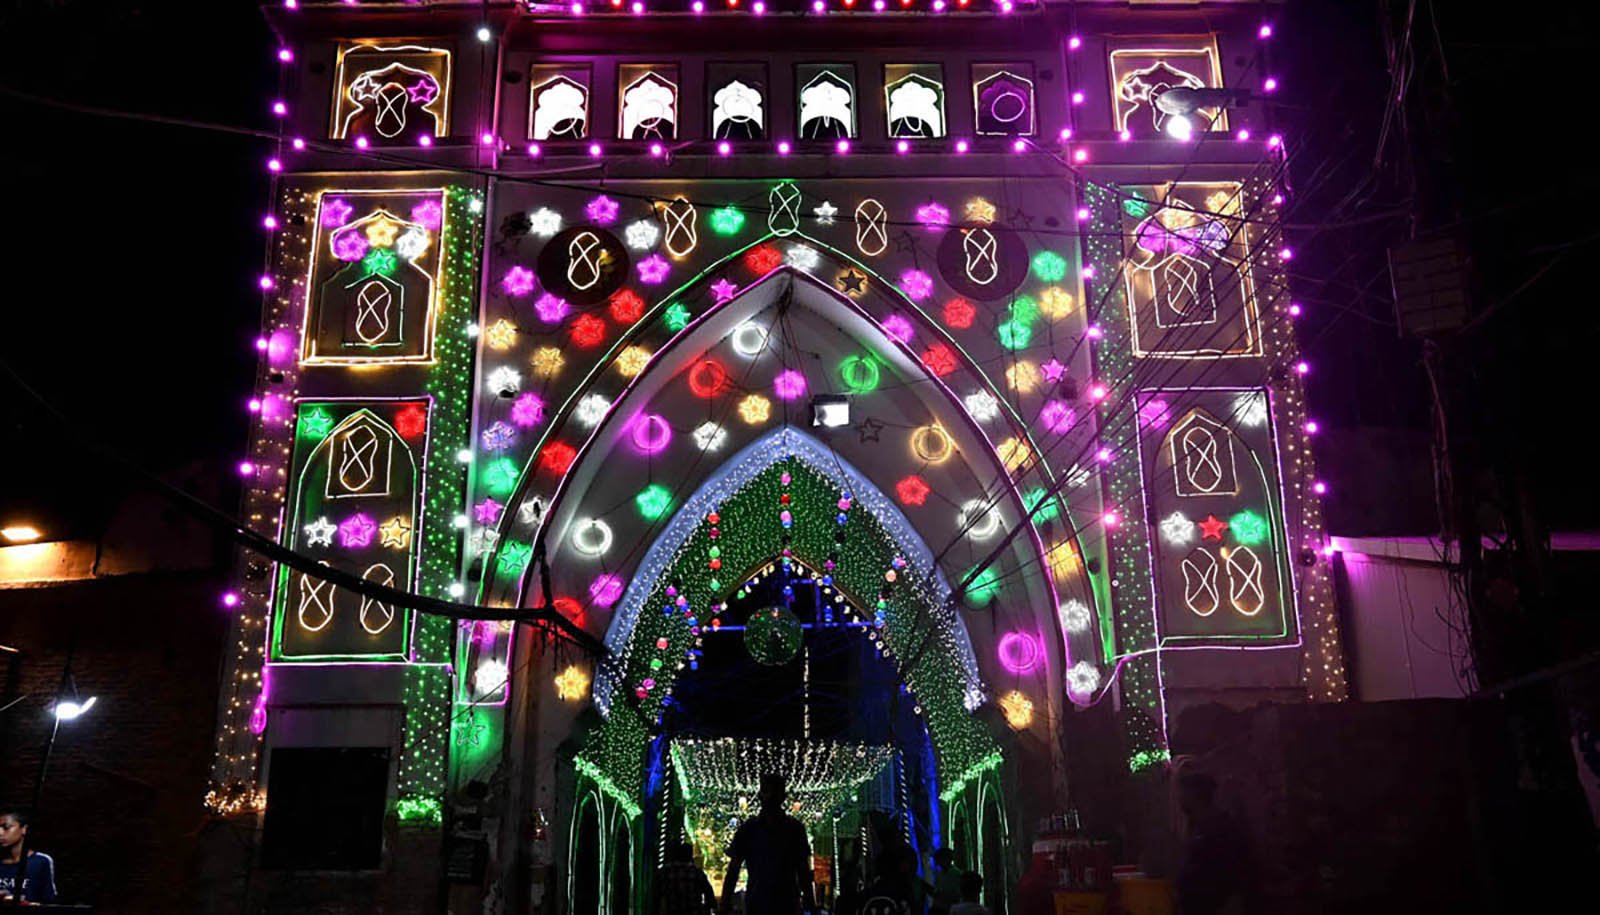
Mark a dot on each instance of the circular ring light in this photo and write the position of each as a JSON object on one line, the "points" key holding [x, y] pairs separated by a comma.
{"points": [[651, 434], [1019, 652], [592, 537], [983, 518], [931, 444], [749, 339]]}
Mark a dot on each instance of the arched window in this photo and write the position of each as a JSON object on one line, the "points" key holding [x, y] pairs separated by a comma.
{"points": [[392, 95], [584, 867], [356, 507], [738, 112], [1189, 286], [828, 104], [915, 96], [374, 274], [558, 107], [1003, 99], [1212, 483], [649, 106]]}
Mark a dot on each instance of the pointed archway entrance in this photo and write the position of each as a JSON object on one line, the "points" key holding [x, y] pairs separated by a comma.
{"points": [[886, 740], [789, 433]]}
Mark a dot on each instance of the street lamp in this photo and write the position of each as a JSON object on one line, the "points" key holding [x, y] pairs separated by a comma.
{"points": [[69, 707], [71, 710], [1179, 103], [20, 533]]}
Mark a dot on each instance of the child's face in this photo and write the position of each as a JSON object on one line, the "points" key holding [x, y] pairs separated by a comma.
{"points": [[11, 831]]}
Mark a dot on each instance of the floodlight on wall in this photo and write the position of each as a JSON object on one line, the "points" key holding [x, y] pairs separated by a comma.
{"points": [[1181, 102], [20, 533], [71, 710], [830, 410]]}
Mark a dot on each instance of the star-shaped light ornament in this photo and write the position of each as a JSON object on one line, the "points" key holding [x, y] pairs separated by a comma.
{"points": [[502, 334], [356, 531], [980, 210], [395, 533], [531, 511], [380, 261], [473, 732], [423, 91], [709, 436], [544, 222], [381, 232], [982, 405], [412, 245], [1177, 529], [804, 257], [723, 290], [320, 532], [316, 424], [642, 235], [653, 269], [487, 511], [1053, 370], [572, 684], [1212, 527], [825, 212], [870, 429], [851, 282]]}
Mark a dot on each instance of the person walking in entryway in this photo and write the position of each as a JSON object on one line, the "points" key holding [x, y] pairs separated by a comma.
{"points": [[773, 848]]}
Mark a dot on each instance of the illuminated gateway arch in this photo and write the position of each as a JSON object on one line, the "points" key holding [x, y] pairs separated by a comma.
{"points": [[853, 424]]}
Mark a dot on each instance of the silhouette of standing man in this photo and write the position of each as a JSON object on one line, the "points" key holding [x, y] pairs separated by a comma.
{"points": [[773, 848]]}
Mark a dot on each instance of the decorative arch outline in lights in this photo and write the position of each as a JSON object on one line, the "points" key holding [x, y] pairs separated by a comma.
{"points": [[395, 94], [782, 443]]}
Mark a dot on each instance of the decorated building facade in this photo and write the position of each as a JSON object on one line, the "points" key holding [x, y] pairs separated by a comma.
{"points": [[862, 391]]}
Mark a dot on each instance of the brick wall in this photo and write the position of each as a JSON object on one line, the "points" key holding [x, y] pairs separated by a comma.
{"points": [[121, 810]]}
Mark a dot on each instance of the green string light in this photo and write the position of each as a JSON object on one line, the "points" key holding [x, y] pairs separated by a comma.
{"points": [[750, 537], [425, 692]]}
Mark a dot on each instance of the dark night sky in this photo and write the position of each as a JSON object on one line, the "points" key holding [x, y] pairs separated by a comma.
{"points": [[131, 303]]}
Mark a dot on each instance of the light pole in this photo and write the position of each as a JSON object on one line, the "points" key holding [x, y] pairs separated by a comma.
{"points": [[69, 706]]}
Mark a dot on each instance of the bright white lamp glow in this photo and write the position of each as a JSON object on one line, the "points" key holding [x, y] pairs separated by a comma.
{"points": [[69, 711], [20, 533], [830, 410], [1179, 127]]}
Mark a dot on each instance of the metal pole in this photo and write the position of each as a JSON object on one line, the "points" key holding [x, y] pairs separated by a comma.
{"points": [[55, 725]]}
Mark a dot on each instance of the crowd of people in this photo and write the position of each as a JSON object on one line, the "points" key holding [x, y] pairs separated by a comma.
{"points": [[772, 851]]}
